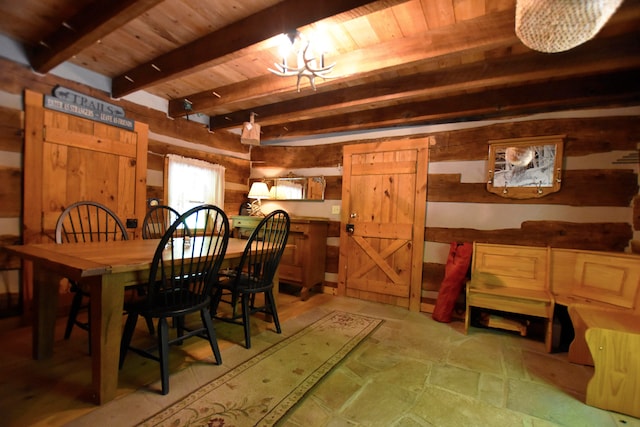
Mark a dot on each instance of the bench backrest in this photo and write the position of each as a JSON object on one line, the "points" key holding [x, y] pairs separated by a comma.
{"points": [[601, 277], [522, 267]]}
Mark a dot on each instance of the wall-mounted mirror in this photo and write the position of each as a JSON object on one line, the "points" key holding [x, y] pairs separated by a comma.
{"points": [[310, 188], [523, 168]]}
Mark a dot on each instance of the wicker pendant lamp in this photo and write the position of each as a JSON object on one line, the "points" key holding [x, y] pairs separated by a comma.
{"points": [[558, 25]]}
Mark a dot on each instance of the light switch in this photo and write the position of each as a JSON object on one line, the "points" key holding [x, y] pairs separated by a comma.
{"points": [[335, 210]]}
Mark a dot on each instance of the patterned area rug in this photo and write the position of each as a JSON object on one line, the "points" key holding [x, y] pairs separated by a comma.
{"points": [[260, 391]]}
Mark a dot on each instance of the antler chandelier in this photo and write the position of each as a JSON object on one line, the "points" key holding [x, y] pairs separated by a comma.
{"points": [[307, 63]]}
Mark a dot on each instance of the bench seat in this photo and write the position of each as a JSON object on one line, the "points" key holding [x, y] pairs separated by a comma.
{"points": [[529, 294], [511, 279], [526, 303]]}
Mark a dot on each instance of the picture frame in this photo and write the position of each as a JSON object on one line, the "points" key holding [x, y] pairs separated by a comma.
{"points": [[525, 168]]}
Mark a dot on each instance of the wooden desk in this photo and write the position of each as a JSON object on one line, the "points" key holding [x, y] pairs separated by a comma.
{"points": [[106, 268], [303, 262]]}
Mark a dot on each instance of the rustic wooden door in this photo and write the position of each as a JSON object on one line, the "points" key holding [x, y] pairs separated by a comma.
{"points": [[383, 218], [69, 158]]}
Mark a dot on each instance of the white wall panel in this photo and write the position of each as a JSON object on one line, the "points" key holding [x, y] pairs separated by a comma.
{"points": [[436, 252], [491, 216], [471, 171], [155, 178], [10, 159], [10, 226], [316, 209], [10, 281]]}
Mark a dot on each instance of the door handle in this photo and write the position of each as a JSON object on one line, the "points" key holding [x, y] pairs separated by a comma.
{"points": [[350, 228]]}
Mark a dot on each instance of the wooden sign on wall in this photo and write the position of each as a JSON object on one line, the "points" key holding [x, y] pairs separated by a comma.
{"points": [[78, 104]]}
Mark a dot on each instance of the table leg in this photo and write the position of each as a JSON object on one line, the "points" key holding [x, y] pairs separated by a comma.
{"points": [[107, 299], [45, 297]]}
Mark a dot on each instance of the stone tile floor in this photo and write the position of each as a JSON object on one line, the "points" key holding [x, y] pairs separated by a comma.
{"points": [[414, 371]]}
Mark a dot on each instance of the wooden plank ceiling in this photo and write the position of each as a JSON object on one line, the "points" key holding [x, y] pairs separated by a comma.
{"points": [[398, 62]]}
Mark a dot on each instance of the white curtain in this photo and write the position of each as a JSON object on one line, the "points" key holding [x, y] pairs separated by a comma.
{"points": [[193, 182]]}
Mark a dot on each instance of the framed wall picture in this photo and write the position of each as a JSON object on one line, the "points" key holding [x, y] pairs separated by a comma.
{"points": [[524, 168]]}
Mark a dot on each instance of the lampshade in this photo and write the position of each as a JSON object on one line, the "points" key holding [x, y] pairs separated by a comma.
{"points": [[559, 25], [259, 190]]}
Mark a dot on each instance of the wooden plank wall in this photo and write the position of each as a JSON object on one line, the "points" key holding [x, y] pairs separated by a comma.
{"points": [[597, 190], [194, 140], [11, 146], [598, 206]]}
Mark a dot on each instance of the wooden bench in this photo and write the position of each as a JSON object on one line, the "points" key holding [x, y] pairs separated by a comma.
{"points": [[613, 339], [608, 281], [511, 279], [601, 291]]}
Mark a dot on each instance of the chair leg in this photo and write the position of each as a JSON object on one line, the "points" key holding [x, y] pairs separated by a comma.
{"points": [[271, 307], [76, 304], [213, 340], [127, 335], [163, 349], [234, 303], [178, 324], [215, 302], [246, 319], [152, 329]]}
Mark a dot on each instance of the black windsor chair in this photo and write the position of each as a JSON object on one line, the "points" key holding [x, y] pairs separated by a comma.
{"points": [[84, 222], [183, 272], [158, 220], [254, 275]]}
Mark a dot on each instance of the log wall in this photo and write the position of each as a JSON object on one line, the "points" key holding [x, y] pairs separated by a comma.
{"points": [[180, 136], [598, 206]]}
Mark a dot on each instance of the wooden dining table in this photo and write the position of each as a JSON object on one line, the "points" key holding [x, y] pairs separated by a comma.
{"points": [[106, 268]]}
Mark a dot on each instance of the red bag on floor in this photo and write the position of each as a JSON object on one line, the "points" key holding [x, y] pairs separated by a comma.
{"points": [[455, 274]]}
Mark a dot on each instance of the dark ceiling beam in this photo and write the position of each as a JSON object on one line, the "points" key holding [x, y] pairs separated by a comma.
{"points": [[277, 19], [619, 88], [467, 37], [95, 21], [612, 54]]}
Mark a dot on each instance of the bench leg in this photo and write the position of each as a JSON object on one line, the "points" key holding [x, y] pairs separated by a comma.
{"points": [[578, 350], [548, 336], [467, 312]]}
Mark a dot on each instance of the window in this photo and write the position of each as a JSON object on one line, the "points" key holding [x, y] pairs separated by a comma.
{"points": [[192, 182]]}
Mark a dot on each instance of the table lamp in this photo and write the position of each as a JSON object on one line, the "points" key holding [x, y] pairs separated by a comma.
{"points": [[258, 191]]}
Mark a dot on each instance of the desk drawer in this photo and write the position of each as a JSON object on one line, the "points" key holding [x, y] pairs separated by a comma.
{"points": [[299, 228], [246, 222], [303, 262], [290, 273]]}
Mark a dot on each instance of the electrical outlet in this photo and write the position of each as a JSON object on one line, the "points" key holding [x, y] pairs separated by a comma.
{"points": [[335, 210]]}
